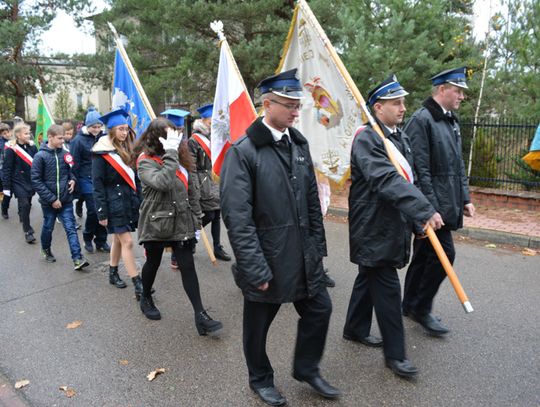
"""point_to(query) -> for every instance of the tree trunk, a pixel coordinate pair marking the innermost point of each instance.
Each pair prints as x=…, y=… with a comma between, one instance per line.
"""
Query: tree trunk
x=20, y=108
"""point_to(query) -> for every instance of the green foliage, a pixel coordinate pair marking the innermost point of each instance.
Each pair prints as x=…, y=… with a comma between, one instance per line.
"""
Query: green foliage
x=484, y=161
x=524, y=174
x=63, y=105
x=7, y=107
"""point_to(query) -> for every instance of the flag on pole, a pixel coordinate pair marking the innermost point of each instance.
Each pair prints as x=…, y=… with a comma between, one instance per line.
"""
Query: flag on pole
x=533, y=157
x=44, y=120
x=233, y=110
x=330, y=113
x=126, y=94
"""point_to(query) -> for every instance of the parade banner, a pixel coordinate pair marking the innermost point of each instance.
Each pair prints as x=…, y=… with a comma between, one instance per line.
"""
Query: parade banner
x=44, y=119
x=233, y=109
x=330, y=113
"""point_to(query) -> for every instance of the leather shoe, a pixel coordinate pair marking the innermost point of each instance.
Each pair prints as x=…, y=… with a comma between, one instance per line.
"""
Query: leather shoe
x=104, y=248
x=270, y=395
x=89, y=246
x=403, y=368
x=321, y=386
x=370, y=340
x=328, y=281
x=221, y=254
x=431, y=324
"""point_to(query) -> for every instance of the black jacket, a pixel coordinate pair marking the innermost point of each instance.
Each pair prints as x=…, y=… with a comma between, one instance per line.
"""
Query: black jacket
x=383, y=206
x=209, y=190
x=51, y=173
x=16, y=172
x=81, y=150
x=273, y=216
x=115, y=200
x=436, y=142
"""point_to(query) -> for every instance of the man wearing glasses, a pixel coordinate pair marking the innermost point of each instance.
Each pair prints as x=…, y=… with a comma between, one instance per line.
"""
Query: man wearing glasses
x=271, y=208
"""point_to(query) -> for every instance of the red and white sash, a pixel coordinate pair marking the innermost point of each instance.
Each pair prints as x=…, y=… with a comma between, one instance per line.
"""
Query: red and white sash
x=27, y=158
x=204, y=143
x=181, y=173
x=125, y=171
x=402, y=161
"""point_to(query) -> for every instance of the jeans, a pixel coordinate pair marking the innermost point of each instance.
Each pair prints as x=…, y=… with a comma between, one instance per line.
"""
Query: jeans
x=65, y=215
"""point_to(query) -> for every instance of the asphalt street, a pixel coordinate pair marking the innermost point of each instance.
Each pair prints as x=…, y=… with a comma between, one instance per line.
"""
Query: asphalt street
x=490, y=357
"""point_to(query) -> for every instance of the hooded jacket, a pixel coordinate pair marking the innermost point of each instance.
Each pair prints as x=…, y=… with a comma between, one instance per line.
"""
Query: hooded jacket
x=81, y=150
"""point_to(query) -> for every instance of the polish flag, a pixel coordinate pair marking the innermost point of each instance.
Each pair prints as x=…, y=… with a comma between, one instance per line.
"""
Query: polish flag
x=233, y=110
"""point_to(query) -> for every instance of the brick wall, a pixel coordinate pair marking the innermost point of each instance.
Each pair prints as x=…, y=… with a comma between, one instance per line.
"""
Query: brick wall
x=505, y=199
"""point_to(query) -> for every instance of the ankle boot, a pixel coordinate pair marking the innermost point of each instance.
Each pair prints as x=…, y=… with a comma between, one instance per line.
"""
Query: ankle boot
x=205, y=324
x=137, y=284
x=114, y=278
x=148, y=308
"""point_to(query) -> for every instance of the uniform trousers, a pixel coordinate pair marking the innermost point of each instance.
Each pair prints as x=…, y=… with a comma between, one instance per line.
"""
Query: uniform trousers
x=92, y=229
x=214, y=217
x=314, y=315
x=25, y=204
x=426, y=273
x=377, y=287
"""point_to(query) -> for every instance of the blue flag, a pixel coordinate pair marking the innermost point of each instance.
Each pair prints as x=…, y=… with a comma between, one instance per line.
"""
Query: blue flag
x=126, y=96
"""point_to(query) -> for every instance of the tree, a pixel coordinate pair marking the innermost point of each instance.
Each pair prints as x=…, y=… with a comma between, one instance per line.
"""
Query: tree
x=63, y=105
x=21, y=25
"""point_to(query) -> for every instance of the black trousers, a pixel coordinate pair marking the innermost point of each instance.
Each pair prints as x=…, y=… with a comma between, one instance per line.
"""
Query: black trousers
x=214, y=217
x=310, y=339
x=426, y=273
x=24, y=204
x=377, y=287
x=92, y=229
x=5, y=204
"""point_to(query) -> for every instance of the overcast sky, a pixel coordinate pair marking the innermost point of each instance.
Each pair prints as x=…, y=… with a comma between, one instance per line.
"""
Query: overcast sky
x=65, y=37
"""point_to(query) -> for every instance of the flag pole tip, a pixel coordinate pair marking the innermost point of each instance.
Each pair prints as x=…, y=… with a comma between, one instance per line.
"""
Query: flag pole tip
x=217, y=27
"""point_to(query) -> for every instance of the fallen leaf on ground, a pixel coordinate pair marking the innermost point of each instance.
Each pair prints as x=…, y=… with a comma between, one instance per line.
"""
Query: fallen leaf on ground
x=123, y=362
x=68, y=391
x=529, y=252
x=74, y=324
x=491, y=246
x=22, y=383
x=152, y=375
x=21, y=312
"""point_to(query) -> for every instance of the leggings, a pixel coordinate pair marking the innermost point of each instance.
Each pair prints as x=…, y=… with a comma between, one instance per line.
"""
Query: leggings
x=184, y=256
x=214, y=217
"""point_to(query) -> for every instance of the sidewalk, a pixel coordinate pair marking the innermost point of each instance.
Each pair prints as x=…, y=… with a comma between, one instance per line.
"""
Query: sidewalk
x=497, y=225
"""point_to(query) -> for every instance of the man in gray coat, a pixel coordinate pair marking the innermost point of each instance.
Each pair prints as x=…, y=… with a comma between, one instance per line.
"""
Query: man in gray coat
x=271, y=209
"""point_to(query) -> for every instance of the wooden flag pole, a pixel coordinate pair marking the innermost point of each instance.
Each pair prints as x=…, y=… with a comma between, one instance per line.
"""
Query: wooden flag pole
x=150, y=111
x=443, y=258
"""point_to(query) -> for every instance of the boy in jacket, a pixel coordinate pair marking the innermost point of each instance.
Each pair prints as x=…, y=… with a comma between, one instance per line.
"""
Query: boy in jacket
x=54, y=182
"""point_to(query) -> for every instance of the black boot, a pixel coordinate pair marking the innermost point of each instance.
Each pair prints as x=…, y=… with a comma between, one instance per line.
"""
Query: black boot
x=137, y=284
x=205, y=324
x=148, y=308
x=221, y=254
x=114, y=278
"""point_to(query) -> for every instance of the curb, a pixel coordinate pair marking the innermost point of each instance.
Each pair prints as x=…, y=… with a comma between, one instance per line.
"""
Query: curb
x=494, y=236
x=9, y=397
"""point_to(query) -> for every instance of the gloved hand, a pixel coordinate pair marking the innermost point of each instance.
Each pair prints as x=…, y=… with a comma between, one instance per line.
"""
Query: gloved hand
x=198, y=234
x=172, y=141
x=6, y=192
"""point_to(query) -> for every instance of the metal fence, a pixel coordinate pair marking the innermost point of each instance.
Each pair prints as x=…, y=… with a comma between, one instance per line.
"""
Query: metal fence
x=497, y=151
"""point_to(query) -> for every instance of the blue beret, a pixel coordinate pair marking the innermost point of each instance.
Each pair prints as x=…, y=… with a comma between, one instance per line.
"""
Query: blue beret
x=390, y=88
x=115, y=118
x=176, y=116
x=457, y=77
x=206, y=110
x=285, y=84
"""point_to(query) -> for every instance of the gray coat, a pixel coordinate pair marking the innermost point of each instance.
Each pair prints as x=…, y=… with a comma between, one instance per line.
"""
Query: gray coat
x=208, y=189
x=168, y=212
x=436, y=143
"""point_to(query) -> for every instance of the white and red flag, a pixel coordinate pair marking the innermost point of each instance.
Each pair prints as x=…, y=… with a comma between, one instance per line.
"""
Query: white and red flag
x=233, y=110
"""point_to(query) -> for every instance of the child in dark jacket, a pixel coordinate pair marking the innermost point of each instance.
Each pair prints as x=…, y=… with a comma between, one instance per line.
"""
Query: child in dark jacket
x=5, y=136
x=54, y=182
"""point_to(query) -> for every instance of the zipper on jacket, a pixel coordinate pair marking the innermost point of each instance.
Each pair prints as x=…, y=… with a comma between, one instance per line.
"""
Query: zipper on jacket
x=57, y=176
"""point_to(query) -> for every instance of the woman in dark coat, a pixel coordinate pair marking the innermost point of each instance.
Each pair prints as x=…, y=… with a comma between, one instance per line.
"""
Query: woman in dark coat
x=117, y=194
x=170, y=215
x=18, y=159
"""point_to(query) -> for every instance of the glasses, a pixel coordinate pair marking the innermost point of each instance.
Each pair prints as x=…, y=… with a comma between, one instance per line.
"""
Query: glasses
x=288, y=106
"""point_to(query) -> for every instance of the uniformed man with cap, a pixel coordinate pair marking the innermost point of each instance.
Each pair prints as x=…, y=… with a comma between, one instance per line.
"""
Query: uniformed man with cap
x=271, y=209
x=436, y=143
x=384, y=209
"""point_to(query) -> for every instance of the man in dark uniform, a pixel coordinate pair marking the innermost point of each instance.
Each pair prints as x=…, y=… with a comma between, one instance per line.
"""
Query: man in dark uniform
x=436, y=143
x=271, y=209
x=384, y=207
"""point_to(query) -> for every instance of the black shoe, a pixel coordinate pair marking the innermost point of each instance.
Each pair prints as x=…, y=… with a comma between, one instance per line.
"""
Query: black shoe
x=115, y=279
x=270, y=395
x=5, y=215
x=403, y=368
x=321, y=386
x=29, y=237
x=137, y=284
x=370, y=340
x=89, y=247
x=328, y=281
x=221, y=254
x=148, y=308
x=104, y=248
x=205, y=324
x=431, y=324
x=78, y=208
x=79, y=264
x=48, y=256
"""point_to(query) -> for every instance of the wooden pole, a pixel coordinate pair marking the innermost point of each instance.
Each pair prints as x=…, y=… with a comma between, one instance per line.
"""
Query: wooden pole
x=362, y=104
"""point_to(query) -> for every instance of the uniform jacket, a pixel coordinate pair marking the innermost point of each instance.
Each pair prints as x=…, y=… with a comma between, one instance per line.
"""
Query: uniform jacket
x=16, y=172
x=81, y=150
x=168, y=212
x=383, y=206
x=115, y=200
x=436, y=142
x=209, y=190
x=273, y=216
x=51, y=173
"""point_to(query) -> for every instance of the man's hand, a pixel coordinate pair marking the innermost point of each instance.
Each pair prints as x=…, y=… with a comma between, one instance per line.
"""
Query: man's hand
x=264, y=286
x=103, y=222
x=71, y=186
x=435, y=221
x=469, y=210
x=57, y=204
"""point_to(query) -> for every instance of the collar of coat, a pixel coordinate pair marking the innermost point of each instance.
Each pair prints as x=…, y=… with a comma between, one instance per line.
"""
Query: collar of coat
x=262, y=136
x=104, y=145
x=437, y=112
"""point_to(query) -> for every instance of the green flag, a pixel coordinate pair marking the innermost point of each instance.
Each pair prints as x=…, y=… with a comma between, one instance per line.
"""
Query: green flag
x=43, y=122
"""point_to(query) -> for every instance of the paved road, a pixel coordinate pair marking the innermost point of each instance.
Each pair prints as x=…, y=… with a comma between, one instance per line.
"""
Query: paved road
x=489, y=359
